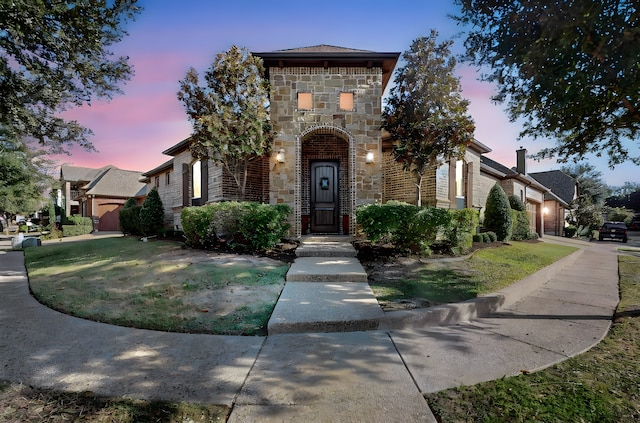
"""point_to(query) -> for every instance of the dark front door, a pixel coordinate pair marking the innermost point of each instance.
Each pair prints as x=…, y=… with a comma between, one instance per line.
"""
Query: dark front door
x=325, y=209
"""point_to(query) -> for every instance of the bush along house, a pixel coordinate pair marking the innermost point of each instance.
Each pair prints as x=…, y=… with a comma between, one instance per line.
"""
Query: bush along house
x=329, y=155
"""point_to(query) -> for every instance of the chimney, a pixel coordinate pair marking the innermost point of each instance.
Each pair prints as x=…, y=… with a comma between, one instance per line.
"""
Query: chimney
x=521, y=161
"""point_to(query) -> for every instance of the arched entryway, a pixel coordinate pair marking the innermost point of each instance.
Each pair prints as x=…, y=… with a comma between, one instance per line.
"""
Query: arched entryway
x=326, y=191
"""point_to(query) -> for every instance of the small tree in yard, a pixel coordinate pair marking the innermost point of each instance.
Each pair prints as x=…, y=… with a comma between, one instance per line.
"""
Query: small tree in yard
x=425, y=113
x=230, y=115
x=497, y=215
x=152, y=213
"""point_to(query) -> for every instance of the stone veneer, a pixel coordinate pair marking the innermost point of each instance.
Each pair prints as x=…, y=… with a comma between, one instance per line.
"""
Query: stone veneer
x=349, y=134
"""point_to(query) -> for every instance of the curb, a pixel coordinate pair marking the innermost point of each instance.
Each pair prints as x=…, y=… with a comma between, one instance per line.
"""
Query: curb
x=452, y=314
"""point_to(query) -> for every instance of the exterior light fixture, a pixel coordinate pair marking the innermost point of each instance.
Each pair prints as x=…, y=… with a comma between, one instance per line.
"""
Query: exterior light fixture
x=545, y=210
x=368, y=158
x=280, y=156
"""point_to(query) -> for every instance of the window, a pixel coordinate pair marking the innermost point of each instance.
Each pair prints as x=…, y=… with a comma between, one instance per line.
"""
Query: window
x=460, y=188
x=346, y=101
x=305, y=101
x=156, y=182
x=167, y=178
x=196, y=179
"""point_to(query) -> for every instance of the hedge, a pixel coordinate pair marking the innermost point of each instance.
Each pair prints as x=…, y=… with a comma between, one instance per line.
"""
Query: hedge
x=416, y=229
x=75, y=230
x=247, y=226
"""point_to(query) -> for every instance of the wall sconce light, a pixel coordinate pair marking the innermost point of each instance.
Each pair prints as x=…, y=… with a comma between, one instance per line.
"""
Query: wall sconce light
x=545, y=210
x=368, y=158
x=280, y=156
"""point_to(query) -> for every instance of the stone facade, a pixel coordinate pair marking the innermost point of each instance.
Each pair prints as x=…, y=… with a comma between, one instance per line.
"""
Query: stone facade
x=326, y=105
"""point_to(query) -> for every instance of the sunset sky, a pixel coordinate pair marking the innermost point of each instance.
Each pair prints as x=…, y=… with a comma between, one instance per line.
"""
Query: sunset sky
x=171, y=36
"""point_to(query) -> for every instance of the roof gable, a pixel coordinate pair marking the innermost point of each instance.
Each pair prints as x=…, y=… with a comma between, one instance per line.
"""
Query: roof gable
x=561, y=184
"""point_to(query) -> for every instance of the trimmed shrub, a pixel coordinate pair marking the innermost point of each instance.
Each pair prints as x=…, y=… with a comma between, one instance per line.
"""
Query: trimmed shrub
x=77, y=225
x=461, y=229
x=196, y=223
x=380, y=223
x=129, y=218
x=520, y=230
x=497, y=215
x=485, y=237
x=516, y=203
x=263, y=225
x=75, y=230
x=151, y=214
x=478, y=238
x=416, y=229
x=243, y=226
x=492, y=236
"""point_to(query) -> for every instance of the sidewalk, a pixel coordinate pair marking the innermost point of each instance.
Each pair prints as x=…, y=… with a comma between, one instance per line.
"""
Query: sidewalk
x=377, y=375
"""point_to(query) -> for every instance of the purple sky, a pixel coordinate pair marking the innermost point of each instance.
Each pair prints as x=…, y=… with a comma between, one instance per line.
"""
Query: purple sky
x=170, y=36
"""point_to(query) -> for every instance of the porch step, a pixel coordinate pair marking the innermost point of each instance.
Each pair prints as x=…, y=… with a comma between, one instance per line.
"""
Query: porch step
x=326, y=269
x=325, y=307
x=326, y=246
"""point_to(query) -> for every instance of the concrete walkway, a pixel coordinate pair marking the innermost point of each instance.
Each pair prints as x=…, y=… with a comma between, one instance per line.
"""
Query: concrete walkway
x=378, y=375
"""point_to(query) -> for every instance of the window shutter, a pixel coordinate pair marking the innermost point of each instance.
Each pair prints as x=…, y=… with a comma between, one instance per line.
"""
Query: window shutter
x=186, y=182
x=204, y=196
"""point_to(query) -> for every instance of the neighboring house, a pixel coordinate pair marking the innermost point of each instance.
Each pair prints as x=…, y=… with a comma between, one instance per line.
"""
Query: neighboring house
x=515, y=182
x=99, y=193
x=330, y=155
x=557, y=202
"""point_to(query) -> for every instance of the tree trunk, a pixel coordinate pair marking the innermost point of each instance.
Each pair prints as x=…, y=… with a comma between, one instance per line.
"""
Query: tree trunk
x=418, y=190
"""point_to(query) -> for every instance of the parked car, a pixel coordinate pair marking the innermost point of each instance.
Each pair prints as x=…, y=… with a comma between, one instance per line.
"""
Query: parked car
x=613, y=230
x=634, y=225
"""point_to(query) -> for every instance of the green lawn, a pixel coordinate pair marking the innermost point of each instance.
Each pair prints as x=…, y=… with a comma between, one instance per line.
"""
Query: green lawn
x=488, y=270
x=601, y=385
x=154, y=285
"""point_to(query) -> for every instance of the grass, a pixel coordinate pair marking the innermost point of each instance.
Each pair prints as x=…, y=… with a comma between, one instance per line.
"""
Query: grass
x=20, y=403
x=488, y=270
x=601, y=385
x=129, y=283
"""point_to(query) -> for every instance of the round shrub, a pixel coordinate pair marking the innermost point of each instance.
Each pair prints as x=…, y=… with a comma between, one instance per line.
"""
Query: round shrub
x=497, y=215
x=492, y=236
x=477, y=238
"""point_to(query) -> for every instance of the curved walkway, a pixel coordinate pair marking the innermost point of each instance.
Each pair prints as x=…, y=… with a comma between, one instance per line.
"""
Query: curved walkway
x=377, y=375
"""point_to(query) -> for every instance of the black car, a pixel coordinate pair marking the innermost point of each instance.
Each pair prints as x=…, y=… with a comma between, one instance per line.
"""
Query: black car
x=613, y=230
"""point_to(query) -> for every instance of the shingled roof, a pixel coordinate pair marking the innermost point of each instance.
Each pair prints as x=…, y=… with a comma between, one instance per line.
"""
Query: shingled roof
x=326, y=56
x=107, y=181
x=561, y=184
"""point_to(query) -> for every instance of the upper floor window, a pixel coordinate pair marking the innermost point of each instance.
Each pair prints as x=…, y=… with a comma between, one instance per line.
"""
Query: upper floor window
x=156, y=182
x=167, y=178
x=305, y=101
x=346, y=102
x=196, y=179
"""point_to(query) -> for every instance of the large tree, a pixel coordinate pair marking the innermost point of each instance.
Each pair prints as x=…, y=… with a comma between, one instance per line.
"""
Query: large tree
x=230, y=113
x=588, y=208
x=425, y=112
x=23, y=179
x=568, y=68
x=53, y=55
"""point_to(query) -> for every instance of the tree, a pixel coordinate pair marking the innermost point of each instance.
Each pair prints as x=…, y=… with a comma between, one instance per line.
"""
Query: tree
x=425, y=112
x=230, y=115
x=152, y=213
x=23, y=179
x=497, y=213
x=588, y=208
x=568, y=68
x=54, y=55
